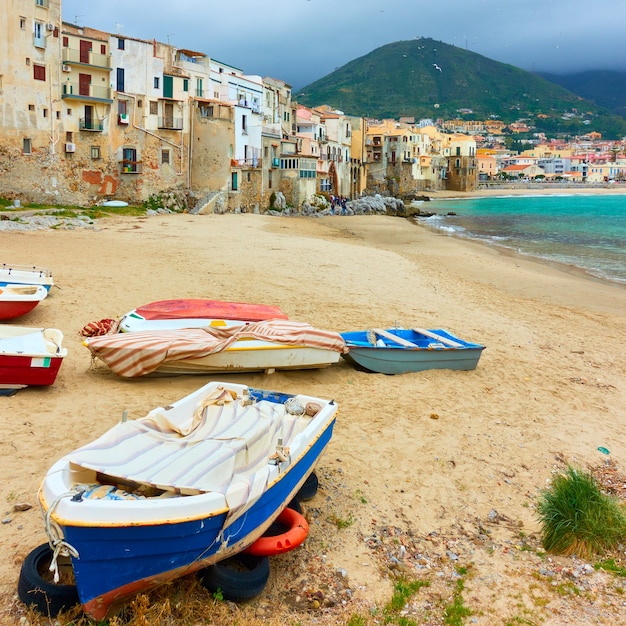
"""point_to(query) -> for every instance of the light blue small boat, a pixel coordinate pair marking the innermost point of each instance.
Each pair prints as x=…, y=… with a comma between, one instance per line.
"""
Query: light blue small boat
x=400, y=350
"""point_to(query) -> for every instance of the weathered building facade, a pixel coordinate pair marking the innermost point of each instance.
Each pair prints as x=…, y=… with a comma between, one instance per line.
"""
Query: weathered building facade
x=88, y=115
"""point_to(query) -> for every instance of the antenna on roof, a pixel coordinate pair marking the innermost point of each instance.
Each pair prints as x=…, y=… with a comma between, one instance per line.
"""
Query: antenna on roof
x=76, y=19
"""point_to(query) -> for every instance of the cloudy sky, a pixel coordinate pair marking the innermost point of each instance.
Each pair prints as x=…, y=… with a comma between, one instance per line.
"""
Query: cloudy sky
x=299, y=41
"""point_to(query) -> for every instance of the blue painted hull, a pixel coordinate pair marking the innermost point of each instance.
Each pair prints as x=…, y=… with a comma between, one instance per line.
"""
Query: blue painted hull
x=115, y=563
x=398, y=359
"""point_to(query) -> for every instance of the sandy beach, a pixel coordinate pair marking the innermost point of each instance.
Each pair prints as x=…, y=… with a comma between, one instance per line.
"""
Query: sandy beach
x=434, y=475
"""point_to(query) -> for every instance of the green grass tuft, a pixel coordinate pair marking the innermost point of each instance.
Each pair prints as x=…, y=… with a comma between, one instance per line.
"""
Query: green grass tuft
x=577, y=518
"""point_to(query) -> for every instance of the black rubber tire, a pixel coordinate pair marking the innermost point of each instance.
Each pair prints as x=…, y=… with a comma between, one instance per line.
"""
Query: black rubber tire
x=309, y=488
x=239, y=578
x=35, y=590
x=295, y=505
x=276, y=527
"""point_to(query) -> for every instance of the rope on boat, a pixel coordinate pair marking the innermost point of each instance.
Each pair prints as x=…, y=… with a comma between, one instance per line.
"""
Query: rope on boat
x=57, y=542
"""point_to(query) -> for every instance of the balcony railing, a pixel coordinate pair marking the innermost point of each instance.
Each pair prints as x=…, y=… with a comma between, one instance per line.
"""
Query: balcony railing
x=71, y=55
x=251, y=162
x=171, y=123
x=73, y=90
x=131, y=167
x=93, y=125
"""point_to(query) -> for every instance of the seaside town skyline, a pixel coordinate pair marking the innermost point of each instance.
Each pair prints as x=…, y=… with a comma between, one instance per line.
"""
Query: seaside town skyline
x=112, y=116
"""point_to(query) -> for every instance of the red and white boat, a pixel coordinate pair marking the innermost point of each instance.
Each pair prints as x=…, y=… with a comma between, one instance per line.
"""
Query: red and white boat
x=17, y=300
x=30, y=356
x=196, y=313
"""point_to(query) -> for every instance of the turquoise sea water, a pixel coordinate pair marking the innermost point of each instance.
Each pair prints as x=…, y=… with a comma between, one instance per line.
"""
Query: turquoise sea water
x=588, y=232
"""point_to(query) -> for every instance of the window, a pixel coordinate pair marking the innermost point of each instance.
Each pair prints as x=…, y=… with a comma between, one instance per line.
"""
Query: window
x=185, y=84
x=165, y=157
x=41, y=3
x=129, y=161
x=39, y=72
x=154, y=107
x=27, y=146
x=103, y=48
x=244, y=128
x=156, y=82
x=119, y=84
x=69, y=137
x=66, y=42
x=122, y=107
x=199, y=92
x=95, y=152
x=168, y=86
x=206, y=110
x=23, y=23
x=120, y=44
x=31, y=107
x=45, y=112
x=38, y=31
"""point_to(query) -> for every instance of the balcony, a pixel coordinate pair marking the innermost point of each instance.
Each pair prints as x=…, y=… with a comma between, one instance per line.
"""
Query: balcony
x=86, y=92
x=249, y=163
x=131, y=167
x=171, y=123
x=95, y=126
x=71, y=55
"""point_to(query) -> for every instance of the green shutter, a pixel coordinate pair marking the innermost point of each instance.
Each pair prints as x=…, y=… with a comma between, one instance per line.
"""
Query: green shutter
x=168, y=86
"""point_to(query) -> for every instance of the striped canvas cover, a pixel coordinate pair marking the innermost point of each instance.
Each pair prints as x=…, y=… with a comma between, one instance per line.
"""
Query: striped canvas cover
x=137, y=354
x=223, y=447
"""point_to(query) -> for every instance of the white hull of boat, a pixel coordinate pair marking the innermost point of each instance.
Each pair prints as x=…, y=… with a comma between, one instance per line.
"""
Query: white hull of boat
x=254, y=356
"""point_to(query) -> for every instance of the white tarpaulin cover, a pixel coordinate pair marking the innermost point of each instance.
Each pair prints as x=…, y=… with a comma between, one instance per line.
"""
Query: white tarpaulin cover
x=223, y=446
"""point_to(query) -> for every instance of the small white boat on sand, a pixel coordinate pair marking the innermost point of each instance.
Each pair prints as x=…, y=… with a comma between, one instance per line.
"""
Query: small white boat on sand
x=24, y=275
x=264, y=346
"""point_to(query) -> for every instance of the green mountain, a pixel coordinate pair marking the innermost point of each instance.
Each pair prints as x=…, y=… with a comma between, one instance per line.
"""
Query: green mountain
x=424, y=78
x=604, y=87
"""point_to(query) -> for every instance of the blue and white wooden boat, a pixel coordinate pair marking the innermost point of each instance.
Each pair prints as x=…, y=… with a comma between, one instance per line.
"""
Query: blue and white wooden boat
x=184, y=487
x=400, y=350
x=24, y=275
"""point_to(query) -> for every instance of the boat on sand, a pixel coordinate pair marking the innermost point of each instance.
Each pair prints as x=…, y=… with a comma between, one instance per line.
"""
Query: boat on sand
x=401, y=350
x=195, y=313
x=17, y=300
x=265, y=346
x=187, y=486
x=25, y=275
x=30, y=356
